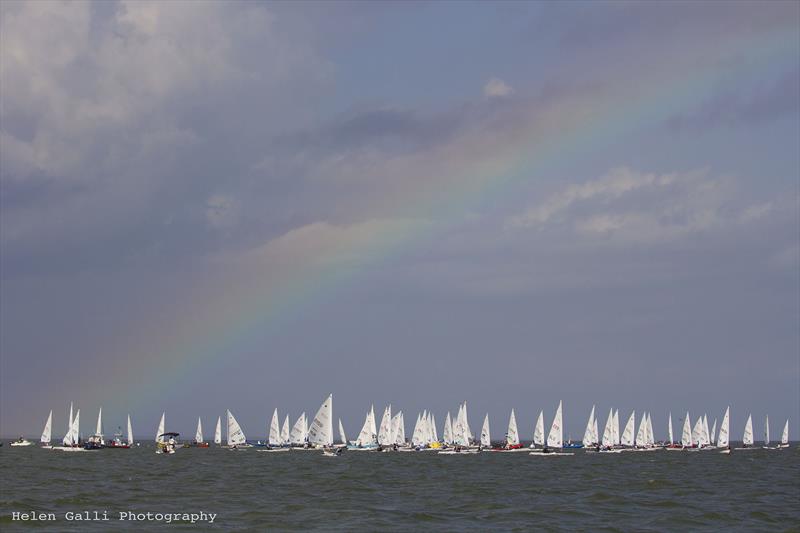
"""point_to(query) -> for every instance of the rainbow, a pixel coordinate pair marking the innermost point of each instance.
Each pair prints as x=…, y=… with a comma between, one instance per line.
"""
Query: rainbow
x=244, y=314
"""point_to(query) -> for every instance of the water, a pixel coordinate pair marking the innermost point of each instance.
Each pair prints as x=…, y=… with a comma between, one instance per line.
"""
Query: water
x=359, y=491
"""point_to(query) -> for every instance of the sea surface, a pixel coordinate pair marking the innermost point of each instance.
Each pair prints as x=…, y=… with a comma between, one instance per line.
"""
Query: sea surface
x=361, y=491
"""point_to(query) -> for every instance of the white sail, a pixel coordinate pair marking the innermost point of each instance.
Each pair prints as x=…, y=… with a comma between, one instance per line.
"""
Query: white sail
x=616, y=427
x=588, y=437
x=512, y=436
x=67, y=440
x=395, y=427
x=305, y=428
x=296, y=436
x=785, y=435
x=400, y=430
x=285, y=431
x=99, y=428
x=235, y=433
x=651, y=438
x=416, y=435
x=434, y=433
x=467, y=431
x=320, y=433
x=486, y=438
x=218, y=432
x=461, y=427
x=447, y=434
x=274, y=437
x=385, y=431
x=341, y=432
x=48, y=429
x=555, y=439
x=627, y=438
x=766, y=431
x=670, y=428
x=538, y=430
x=368, y=435
x=198, y=435
x=130, y=432
x=608, y=431
x=595, y=433
x=697, y=432
x=747, y=438
x=160, y=429
x=724, y=430
x=76, y=427
x=712, y=438
x=641, y=435
x=706, y=432
x=686, y=435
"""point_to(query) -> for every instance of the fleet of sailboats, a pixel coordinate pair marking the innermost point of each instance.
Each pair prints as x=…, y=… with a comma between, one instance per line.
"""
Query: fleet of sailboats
x=457, y=437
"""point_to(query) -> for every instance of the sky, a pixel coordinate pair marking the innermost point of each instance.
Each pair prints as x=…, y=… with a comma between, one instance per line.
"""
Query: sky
x=248, y=206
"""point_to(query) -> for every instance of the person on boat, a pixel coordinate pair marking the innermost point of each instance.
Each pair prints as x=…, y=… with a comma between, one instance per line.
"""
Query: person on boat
x=545, y=449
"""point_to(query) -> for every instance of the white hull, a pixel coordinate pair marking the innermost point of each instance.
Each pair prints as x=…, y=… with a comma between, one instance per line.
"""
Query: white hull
x=24, y=443
x=550, y=454
x=276, y=450
x=71, y=449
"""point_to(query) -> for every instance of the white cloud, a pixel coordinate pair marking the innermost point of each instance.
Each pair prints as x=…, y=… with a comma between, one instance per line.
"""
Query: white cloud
x=627, y=206
x=496, y=87
x=616, y=183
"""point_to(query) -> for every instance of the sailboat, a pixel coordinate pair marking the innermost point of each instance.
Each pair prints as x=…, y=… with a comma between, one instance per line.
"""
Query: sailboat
x=198, y=436
x=724, y=432
x=486, y=438
x=71, y=441
x=117, y=442
x=368, y=436
x=274, y=437
x=285, y=431
x=278, y=439
x=399, y=429
x=766, y=436
x=47, y=431
x=589, y=436
x=608, y=441
x=447, y=433
x=297, y=436
x=236, y=438
x=671, y=445
x=747, y=438
x=686, y=434
x=320, y=433
x=555, y=438
x=385, y=437
x=96, y=441
x=218, y=432
x=785, y=436
x=628, y=438
x=342, y=436
x=512, y=443
x=538, y=432
x=166, y=442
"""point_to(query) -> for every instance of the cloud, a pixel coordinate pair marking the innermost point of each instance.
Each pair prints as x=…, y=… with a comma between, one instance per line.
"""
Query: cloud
x=496, y=87
x=626, y=206
x=615, y=184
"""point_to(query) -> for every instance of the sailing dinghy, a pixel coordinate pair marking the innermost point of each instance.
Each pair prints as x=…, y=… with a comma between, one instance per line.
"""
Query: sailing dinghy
x=785, y=436
x=766, y=436
x=747, y=437
x=555, y=438
x=724, y=432
x=236, y=437
x=44, y=441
